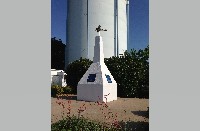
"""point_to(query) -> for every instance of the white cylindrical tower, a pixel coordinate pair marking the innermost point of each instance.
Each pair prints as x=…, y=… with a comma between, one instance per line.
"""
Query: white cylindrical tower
x=84, y=16
x=122, y=26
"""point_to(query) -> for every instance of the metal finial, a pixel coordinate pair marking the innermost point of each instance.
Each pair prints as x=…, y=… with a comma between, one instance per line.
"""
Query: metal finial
x=99, y=29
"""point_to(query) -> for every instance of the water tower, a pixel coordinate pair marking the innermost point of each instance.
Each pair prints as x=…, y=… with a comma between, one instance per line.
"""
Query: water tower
x=82, y=18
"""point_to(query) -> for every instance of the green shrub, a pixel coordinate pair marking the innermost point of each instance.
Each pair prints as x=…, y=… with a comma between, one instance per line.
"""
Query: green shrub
x=131, y=73
x=67, y=90
x=79, y=124
x=56, y=90
x=75, y=72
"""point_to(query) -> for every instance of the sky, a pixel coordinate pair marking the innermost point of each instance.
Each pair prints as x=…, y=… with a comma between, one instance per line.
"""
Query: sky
x=138, y=22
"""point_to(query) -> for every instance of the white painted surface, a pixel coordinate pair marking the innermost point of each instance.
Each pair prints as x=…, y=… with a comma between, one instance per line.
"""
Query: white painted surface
x=82, y=19
x=97, y=90
x=98, y=50
x=122, y=23
x=101, y=12
x=57, y=77
x=76, y=30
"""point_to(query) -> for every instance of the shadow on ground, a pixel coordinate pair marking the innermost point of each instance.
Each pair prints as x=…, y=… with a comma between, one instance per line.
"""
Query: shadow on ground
x=141, y=113
x=135, y=126
x=70, y=97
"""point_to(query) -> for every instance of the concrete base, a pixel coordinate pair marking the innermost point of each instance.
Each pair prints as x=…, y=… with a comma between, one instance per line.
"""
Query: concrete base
x=96, y=92
x=100, y=88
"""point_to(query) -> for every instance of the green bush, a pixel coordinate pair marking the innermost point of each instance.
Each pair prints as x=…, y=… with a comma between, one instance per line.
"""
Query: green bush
x=75, y=72
x=79, y=124
x=131, y=73
x=56, y=90
x=67, y=90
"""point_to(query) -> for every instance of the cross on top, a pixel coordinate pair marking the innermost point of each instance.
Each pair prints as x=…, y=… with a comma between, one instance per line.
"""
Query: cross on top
x=99, y=29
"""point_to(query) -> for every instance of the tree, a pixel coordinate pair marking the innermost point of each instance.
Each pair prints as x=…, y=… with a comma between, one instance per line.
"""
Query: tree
x=75, y=72
x=57, y=54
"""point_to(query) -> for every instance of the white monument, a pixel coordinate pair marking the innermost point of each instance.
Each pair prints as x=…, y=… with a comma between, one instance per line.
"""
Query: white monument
x=97, y=84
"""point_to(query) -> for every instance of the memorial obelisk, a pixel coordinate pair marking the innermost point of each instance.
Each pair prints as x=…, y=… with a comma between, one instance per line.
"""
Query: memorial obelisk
x=97, y=84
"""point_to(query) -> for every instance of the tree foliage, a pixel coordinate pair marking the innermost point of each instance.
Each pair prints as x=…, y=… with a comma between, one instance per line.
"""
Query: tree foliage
x=131, y=73
x=75, y=72
x=57, y=54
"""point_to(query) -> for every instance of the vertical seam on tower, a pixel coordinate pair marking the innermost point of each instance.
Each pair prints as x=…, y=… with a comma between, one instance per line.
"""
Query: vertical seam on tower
x=117, y=29
x=87, y=33
x=127, y=16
